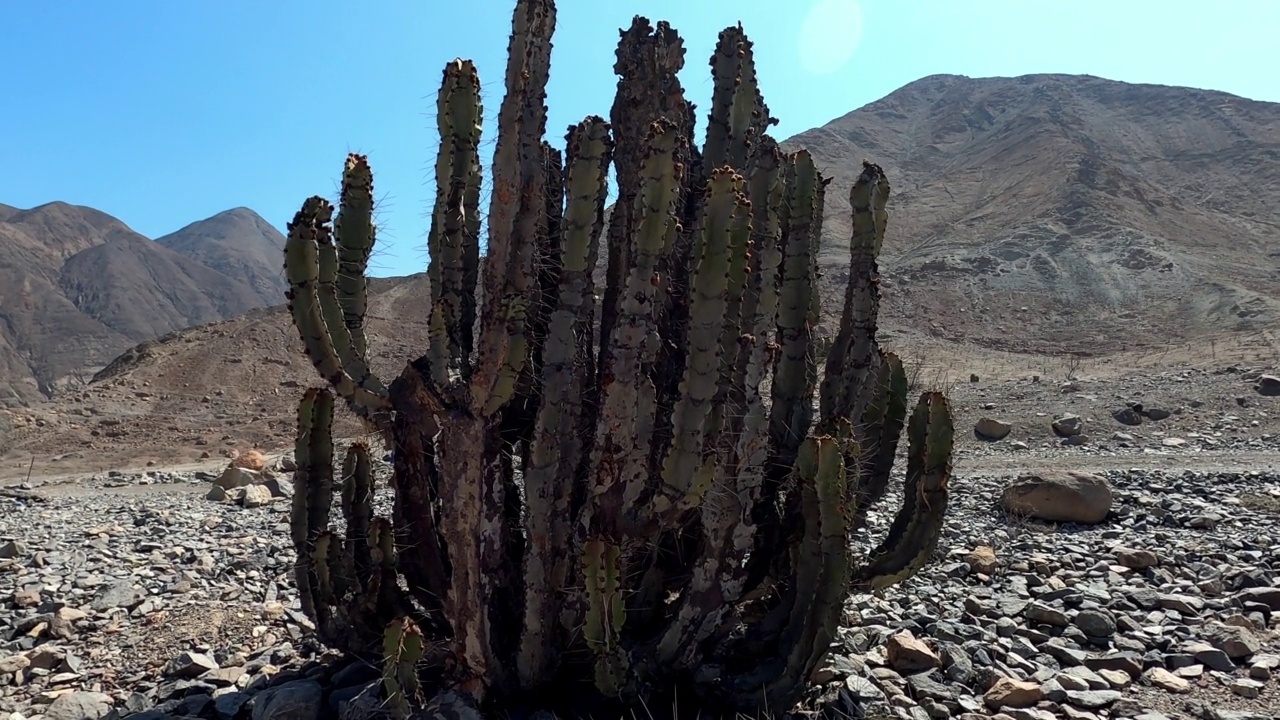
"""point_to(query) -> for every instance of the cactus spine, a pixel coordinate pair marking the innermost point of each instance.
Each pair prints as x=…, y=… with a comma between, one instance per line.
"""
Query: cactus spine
x=632, y=490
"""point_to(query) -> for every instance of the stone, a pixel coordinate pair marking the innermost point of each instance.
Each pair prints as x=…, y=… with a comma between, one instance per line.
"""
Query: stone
x=1068, y=425
x=256, y=496
x=1095, y=623
x=1059, y=496
x=983, y=559
x=1268, y=385
x=252, y=460
x=1237, y=642
x=992, y=429
x=1165, y=680
x=1127, y=416
x=297, y=700
x=1010, y=693
x=79, y=705
x=907, y=654
x=1135, y=559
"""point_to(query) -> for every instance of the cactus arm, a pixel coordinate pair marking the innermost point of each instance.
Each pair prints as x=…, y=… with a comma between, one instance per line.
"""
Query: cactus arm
x=357, y=508
x=355, y=231
x=606, y=614
x=738, y=115
x=719, y=578
x=402, y=648
x=883, y=416
x=300, y=528
x=517, y=167
x=558, y=446
x=302, y=266
x=854, y=351
x=451, y=242
x=814, y=599
x=724, y=224
x=336, y=319
x=619, y=453
x=309, y=515
x=795, y=373
x=916, y=528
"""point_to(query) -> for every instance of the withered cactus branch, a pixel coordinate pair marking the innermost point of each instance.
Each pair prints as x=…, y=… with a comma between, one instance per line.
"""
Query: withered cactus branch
x=627, y=487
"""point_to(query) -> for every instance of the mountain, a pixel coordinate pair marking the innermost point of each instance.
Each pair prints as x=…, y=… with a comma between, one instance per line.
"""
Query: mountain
x=1065, y=214
x=1043, y=214
x=237, y=243
x=78, y=287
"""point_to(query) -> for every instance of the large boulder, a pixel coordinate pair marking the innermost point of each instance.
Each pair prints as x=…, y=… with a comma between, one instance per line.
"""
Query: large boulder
x=989, y=428
x=1059, y=496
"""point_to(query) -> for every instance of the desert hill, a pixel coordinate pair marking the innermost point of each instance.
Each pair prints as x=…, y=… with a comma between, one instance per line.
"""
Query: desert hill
x=78, y=287
x=1031, y=218
x=1058, y=213
x=1040, y=214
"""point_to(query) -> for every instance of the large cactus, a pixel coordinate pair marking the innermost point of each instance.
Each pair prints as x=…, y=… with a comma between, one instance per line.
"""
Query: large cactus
x=630, y=491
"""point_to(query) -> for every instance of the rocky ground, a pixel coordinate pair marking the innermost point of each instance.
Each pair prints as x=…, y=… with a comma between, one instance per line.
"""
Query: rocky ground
x=132, y=593
x=138, y=596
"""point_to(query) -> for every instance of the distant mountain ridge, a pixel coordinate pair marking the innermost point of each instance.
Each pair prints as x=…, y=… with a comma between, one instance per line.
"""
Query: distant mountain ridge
x=77, y=287
x=1063, y=213
x=1045, y=214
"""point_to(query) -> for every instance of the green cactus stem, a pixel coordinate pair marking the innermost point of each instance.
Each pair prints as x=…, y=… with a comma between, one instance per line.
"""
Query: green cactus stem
x=403, y=649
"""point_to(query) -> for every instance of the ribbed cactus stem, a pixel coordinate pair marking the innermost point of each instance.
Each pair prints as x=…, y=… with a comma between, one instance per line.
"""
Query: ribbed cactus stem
x=795, y=373
x=737, y=112
x=879, y=426
x=336, y=319
x=357, y=507
x=356, y=236
x=606, y=614
x=517, y=164
x=620, y=450
x=403, y=647
x=452, y=241
x=725, y=231
x=558, y=443
x=309, y=228
x=916, y=528
x=822, y=571
x=854, y=351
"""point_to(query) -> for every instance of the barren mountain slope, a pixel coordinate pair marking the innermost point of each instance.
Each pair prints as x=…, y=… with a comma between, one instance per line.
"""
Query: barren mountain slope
x=1005, y=214
x=77, y=287
x=1055, y=213
x=239, y=244
x=227, y=384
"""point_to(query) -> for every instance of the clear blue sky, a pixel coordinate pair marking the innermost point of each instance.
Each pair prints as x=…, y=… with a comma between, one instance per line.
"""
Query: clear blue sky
x=162, y=112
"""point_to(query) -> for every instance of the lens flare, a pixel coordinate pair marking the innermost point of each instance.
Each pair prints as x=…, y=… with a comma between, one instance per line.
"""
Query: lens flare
x=829, y=35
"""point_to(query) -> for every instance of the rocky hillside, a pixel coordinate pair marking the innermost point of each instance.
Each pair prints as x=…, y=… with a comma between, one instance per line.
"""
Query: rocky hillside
x=1044, y=214
x=78, y=287
x=1058, y=213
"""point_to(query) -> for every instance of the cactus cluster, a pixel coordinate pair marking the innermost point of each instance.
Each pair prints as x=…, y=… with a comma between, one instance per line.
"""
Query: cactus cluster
x=630, y=488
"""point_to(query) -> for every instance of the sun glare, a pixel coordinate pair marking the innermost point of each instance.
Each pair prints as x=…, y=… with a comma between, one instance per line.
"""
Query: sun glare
x=829, y=35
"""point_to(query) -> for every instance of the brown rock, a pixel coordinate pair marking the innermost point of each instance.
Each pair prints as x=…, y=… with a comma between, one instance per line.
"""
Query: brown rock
x=1136, y=559
x=1007, y=692
x=1059, y=496
x=907, y=654
x=252, y=460
x=1165, y=680
x=983, y=559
